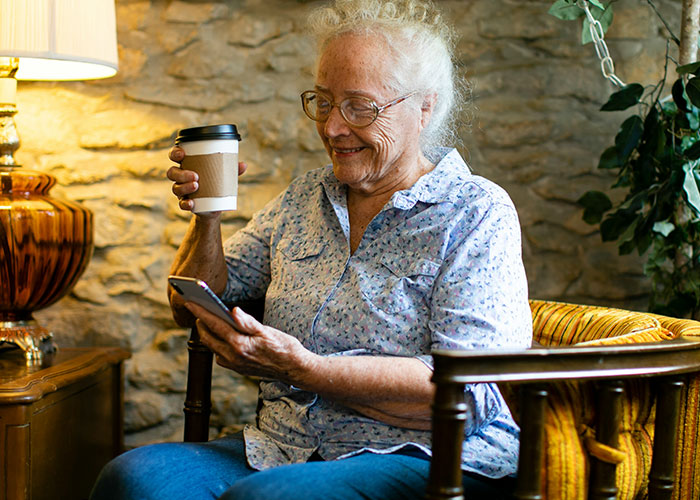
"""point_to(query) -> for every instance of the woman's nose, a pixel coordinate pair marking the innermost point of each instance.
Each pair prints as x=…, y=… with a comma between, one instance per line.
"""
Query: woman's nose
x=335, y=124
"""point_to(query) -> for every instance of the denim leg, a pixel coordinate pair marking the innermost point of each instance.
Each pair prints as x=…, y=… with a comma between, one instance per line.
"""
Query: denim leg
x=174, y=471
x=367, y=476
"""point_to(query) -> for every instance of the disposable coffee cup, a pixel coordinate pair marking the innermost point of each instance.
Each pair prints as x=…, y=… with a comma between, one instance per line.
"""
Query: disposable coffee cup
x=212, y=152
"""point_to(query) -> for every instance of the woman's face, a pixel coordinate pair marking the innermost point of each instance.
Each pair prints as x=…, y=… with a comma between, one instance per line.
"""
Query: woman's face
x=379, y=157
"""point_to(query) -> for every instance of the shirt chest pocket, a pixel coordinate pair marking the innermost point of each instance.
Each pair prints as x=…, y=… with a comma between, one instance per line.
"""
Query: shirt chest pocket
x=296, y=263
x=400, y=282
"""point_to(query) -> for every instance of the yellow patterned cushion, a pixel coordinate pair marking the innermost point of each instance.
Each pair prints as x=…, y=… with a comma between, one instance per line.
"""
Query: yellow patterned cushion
x=569, y=434
x=688, y=455
x=557, y=323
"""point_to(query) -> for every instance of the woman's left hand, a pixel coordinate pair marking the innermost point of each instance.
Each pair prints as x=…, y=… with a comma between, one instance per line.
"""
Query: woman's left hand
x=251, y=348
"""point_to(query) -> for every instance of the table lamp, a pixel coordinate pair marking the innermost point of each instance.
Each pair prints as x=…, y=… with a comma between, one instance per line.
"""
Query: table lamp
x=45, y=244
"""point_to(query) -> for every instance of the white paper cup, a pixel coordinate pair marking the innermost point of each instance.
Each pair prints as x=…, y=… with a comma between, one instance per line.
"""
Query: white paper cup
x=212, y=152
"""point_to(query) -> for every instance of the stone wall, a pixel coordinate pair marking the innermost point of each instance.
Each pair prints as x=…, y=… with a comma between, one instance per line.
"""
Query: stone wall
x=535, y=129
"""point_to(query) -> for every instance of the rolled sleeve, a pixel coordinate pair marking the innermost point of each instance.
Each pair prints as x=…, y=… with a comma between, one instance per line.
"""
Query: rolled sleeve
x=247, y=255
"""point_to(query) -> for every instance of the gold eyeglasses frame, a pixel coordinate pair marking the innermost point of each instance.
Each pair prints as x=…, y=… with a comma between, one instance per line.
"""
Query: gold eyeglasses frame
x=309, y=95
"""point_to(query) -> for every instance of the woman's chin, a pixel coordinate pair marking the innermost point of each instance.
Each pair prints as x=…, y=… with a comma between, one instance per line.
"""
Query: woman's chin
x=347, y=173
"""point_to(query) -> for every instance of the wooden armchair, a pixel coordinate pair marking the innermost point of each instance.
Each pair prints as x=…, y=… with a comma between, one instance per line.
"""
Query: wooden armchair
x=599, y=420
x=590, y=407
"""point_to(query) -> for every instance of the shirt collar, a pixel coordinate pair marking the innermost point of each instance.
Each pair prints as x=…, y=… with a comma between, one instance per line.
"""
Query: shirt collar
x=436, y=186
x=439, y=184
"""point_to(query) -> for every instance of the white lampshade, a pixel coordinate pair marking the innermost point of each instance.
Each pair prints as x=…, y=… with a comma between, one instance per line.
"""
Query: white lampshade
x=60, y=39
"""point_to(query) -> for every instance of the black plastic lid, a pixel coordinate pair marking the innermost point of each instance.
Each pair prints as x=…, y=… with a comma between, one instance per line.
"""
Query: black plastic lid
x=208, y=133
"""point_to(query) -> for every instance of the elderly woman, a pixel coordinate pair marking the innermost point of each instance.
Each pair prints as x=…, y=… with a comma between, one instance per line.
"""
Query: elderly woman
x=365, y=265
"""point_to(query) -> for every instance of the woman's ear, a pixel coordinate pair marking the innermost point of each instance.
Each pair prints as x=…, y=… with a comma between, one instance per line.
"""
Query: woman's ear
x=427, y=109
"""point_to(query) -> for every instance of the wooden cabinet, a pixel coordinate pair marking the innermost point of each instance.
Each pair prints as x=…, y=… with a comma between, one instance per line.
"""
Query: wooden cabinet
x=59, y=423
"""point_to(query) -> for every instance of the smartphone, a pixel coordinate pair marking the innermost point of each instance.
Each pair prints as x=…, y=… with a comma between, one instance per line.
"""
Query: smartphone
x=197, y=291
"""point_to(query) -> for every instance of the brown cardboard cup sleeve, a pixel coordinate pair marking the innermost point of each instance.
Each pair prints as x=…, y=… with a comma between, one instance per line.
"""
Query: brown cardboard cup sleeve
x=218, y=174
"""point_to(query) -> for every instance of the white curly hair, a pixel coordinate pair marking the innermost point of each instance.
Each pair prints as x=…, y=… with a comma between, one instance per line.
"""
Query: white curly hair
x=422, y=45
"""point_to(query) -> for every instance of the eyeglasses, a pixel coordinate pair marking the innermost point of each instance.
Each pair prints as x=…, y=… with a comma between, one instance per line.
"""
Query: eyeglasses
x=356, y=111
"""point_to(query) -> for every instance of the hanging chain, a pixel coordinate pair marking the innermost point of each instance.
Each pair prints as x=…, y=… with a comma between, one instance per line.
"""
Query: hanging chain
x=607, y=67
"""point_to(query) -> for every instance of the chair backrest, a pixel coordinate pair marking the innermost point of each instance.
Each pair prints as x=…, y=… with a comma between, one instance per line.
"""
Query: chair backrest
x=559, y=324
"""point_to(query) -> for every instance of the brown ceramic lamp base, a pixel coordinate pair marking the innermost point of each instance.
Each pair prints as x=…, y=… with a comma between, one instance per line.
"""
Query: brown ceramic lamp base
x=45, y=245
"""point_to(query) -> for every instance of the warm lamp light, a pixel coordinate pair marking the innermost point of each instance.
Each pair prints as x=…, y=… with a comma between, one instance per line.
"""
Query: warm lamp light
x=45, y=244
x=60, y=39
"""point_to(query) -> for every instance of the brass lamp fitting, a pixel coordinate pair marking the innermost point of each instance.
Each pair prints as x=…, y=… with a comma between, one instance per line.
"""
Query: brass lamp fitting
x=9, y=139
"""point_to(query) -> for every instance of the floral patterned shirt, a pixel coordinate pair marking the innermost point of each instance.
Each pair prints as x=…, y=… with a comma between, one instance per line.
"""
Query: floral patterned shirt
x=439, y=267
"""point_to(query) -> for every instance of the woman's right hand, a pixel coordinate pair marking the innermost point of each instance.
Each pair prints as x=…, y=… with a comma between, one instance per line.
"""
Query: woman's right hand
x=186, y=182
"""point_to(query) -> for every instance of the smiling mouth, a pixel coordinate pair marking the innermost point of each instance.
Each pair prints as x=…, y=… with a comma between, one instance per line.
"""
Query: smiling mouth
x=343, y=151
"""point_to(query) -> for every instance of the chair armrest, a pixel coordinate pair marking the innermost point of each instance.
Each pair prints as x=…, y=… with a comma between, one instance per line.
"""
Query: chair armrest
x=534, y=367
x=681, y=355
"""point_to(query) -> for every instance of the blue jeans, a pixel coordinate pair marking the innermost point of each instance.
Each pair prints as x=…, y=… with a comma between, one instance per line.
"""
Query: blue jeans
x=218, y=469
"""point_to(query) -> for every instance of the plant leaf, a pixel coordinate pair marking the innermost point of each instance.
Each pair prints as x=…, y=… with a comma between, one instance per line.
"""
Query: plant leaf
x=628, y=137
x=596, y=3
x=692, y=89
x=609, y=158
x=626, y=247
x=690, y=186
x=622, y=99
x=693, y=152
x=653, y=139
x=643, y=240
x=628, y=234
x=664, y=228
x=595, y=204
x=677, y=92
x=604, y=16
x=693, y=120
x=643, y=170
x=636, y=202
x=565, y=11
x=616, y=224
x=623, y=179
x=626, y=240
x=688, y=68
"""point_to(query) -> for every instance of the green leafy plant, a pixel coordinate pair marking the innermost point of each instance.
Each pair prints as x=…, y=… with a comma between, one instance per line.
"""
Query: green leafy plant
x=656, y=160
